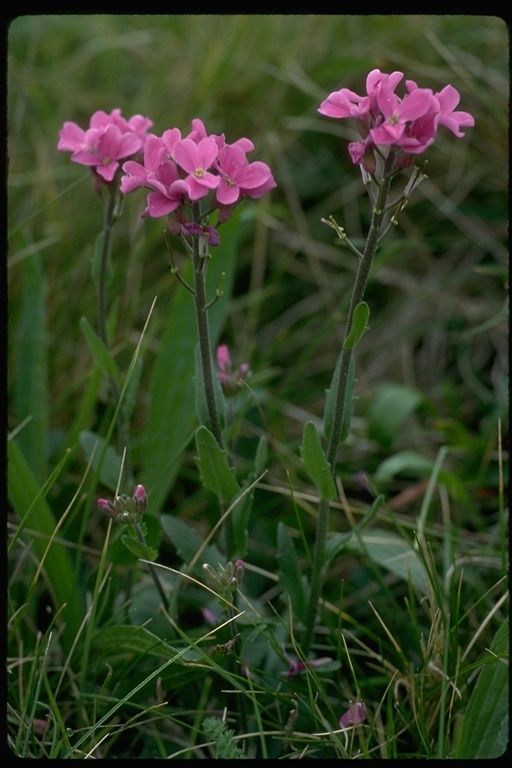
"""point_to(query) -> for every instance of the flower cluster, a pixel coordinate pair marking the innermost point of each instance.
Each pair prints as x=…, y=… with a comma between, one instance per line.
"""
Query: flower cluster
x=126, y=509
x=226, y=579
x=383, y=118
x=230, y=380
x=179, y=171
x=109, y=139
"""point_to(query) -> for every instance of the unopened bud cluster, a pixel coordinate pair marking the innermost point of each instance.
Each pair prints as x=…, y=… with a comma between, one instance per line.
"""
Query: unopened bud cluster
x=126, y=509
x=225, y=579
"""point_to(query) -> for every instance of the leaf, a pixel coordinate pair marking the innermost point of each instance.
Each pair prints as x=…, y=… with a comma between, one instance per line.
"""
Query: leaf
x=132, y=640
x=408, y=462
x=339, y=542
x=29, y=503
x=289, y=572
x=188, y=542
x=97, y=348
x=391, y=406
x=111, y=466
x=359, y=325
x=31, y=380
x=484, y=732
x=216, y=474
x=315, y=462
x=261, y=458
x=139, y=549
x=393, y=553
x=130, y=395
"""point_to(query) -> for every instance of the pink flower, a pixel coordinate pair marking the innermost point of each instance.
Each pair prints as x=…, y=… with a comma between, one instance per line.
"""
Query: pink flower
x=179, y=171
x=398, y=114
x=170, y=190
x=196, y=160
x=138, y=175
x=108, y=139
x=409, y=123
x=230, y=380
x=300, y=666
x=448, y=99
x=239, y=177
x=345, y=103
x=353, y=716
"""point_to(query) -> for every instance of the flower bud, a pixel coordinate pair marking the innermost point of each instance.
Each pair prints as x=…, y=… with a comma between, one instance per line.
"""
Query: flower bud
x=141, y=499
x=107, y=507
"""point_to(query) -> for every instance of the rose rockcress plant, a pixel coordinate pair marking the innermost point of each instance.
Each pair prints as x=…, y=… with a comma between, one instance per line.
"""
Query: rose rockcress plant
x=393, y=130
x=196, y=181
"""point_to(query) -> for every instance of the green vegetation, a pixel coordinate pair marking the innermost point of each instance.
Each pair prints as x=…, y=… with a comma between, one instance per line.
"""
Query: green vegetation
x=413, y=616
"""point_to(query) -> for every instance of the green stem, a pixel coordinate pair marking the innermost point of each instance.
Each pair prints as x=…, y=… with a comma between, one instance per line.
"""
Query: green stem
x=365, y=263
x=203, y=333
x=153, y=571
x=109, y=219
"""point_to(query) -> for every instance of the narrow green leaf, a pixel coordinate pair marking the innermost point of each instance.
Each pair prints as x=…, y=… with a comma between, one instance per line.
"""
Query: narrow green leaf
x=390, y=407
x=31, y=381
x=338, y=543
x=131, y=639
x=409, y=462
x=241, y=514
x=139, y=549
x=261, y=458
x=28, y=501
x=111, y=465
x=97, y=348
x=187, y=542
x=485, y=728
x=289, y=573
x=315, y=462
x=359, y=325
x=216, y=474
x=393, y=553
x=132, y=389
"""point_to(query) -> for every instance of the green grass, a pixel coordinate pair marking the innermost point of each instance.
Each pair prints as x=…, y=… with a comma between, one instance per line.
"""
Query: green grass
x=414, y=614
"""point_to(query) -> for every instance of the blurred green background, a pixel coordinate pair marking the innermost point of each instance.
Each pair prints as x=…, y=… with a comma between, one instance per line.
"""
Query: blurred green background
x=438, y=290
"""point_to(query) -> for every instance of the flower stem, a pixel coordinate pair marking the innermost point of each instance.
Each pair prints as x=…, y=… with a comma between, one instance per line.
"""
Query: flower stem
x=203, y=332
x=109, y=219
x=365, y=263
x=151, y=568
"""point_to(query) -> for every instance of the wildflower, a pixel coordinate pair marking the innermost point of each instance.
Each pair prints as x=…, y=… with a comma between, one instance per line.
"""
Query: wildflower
x=180, y=170
x=226, y=578
x=239, y=177
x=355, y=715
x=398, y=114
x=448, y=99
x=109, y=139
x=230, y=380
x=300, y=666
x=383, y=118
x=196, y=160
x=126, y=509
x=140, y=175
